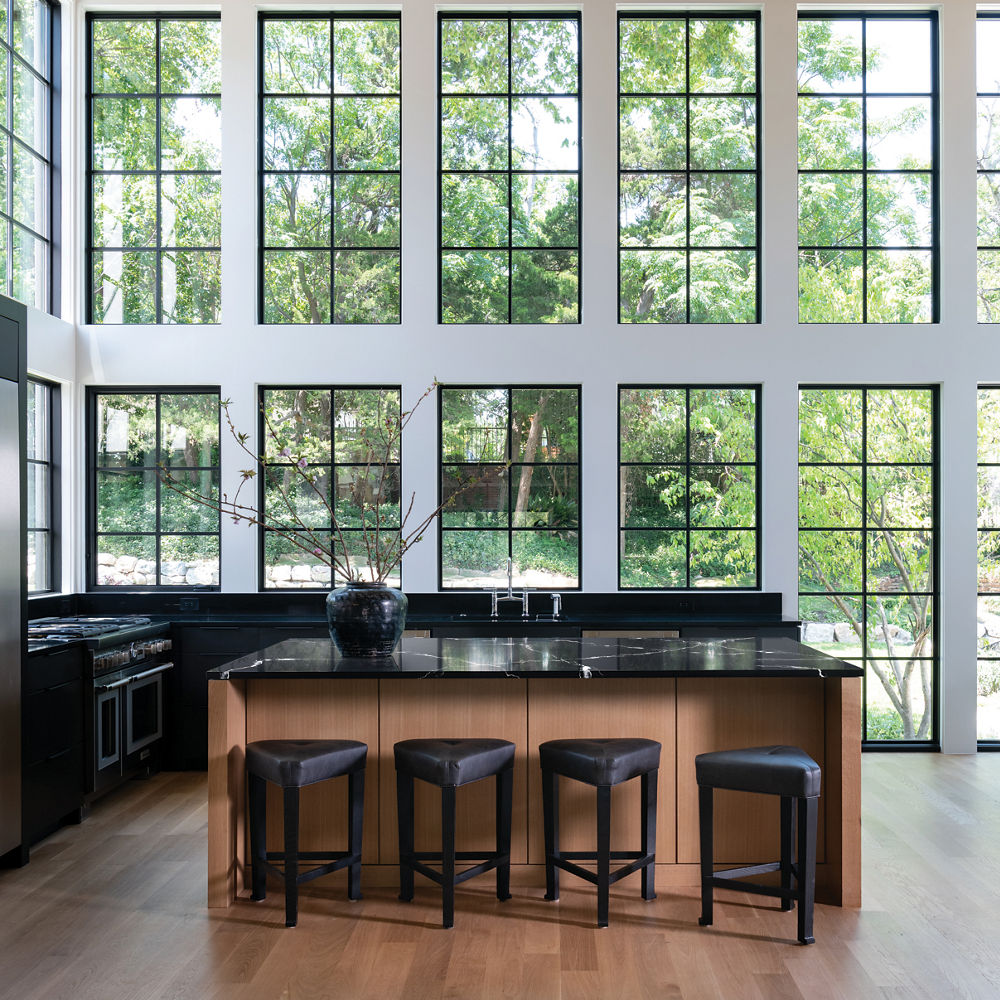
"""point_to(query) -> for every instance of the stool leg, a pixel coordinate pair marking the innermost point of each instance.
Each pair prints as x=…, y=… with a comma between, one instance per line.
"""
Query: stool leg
x=448, y=855
x=787, y=836
x=705, y=836
x=807, y=867
x=505, y=799
x=404, y=815
x=648, y=846
x=603, y=852
x=550, y=809
x=356, y=795
x=291, y=796
x=257, y=795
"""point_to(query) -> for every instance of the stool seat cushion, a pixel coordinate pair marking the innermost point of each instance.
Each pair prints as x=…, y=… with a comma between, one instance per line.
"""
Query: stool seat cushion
x=294, y=763
x=453, y=762
x=777, y=770
x=600, y=762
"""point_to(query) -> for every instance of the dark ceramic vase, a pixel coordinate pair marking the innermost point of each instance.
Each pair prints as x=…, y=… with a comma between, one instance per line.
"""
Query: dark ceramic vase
x=366, y=619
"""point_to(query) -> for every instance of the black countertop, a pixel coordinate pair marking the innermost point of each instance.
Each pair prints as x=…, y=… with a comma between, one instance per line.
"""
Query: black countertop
x=485, y=657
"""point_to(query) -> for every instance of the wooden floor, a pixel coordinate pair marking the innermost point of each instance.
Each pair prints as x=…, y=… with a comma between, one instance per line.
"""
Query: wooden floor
x=114, y=910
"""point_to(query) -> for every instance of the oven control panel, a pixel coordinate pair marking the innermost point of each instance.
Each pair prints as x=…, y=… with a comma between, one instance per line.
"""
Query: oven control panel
x=134, y=652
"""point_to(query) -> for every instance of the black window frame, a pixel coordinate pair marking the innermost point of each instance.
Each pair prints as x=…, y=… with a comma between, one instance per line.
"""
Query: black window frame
x=93, y=393
x=52, y=82
x=509, y=94
x=931, y=16
x=994, y=248
x=667, y=14
x=990, y=743
x=159, y=250
x=932, y=743
x=53, y=485
x=332, y=172
x=687, y=464
x=333, y=466
x=509, y=530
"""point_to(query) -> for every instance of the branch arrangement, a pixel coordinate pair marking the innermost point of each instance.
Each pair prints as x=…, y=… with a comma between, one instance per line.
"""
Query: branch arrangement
x=383, y=546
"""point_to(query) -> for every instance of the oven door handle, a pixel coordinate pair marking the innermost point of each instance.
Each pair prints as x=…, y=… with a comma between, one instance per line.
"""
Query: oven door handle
x=161, y=669
x=114, y=685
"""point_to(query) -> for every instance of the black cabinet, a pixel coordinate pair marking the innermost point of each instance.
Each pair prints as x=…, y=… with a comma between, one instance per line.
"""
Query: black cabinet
x=200, y=648
x=52, y=745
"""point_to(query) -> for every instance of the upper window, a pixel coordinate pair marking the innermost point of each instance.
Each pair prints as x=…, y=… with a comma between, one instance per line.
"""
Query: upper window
x=142, y=533
x=155, y=158
x=688, y=155
x=42, y=469
x=26, y=115
x=867, y=545
x=330, y=485
x=867, y=168
x=688, y=487
x=330, y=160
x=988, y=164
x=510, y=168
x=988, y=625
x=510, y=476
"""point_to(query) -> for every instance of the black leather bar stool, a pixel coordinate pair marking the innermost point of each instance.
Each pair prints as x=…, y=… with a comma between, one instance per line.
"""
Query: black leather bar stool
x=292, y=764
x=779, y=770
x=603, y=763
x=449, y=764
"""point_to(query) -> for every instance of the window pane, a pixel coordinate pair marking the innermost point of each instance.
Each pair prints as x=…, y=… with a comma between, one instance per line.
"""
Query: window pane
x=152, y=531
x=864, y=120
x=510, y=165
x=529, y=510
x=874, y=577
x=176, y=141
x=690, y=118
x=692, y=465
x=347, y=136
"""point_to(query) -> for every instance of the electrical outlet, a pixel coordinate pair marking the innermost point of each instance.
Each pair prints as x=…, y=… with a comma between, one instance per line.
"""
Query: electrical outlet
x=188, y=604
x=683, y=605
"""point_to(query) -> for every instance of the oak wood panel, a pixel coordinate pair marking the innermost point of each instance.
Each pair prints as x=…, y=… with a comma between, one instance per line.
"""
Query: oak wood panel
x=601, y=708
x=839, y=881
x=452, y=708
x=226, y=789
x=717, y=714
x=635, y=633
x=319, y=710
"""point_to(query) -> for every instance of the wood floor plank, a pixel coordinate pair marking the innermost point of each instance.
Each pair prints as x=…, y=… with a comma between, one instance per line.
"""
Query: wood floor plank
x=114, y=909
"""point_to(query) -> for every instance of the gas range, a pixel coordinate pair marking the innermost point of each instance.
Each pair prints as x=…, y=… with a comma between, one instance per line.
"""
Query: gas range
x=98, y=634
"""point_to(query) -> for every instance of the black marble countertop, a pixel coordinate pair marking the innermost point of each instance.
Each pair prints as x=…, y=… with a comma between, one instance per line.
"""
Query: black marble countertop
x=493, y=657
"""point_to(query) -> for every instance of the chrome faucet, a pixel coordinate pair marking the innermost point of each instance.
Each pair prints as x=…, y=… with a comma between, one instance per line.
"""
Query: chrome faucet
x=496, y=597
x=556, y=605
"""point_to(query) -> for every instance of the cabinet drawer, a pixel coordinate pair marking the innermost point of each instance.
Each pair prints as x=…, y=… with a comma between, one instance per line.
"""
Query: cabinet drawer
x=46, y=670
x=53, y=720
x=51, y=790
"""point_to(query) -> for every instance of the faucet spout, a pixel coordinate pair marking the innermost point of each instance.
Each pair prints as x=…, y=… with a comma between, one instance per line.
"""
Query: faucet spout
x=510, y=577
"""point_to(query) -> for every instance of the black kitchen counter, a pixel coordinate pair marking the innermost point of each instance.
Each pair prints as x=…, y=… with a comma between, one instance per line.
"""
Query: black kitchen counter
x=492, y=657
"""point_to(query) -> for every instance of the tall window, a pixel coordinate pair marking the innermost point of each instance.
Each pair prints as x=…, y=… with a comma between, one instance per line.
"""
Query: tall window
x=510, y=471
x=510, y=168
x=155, y=112
x=988, y=164
x=42, y=514
x=868, y=168
x=330, y=160
x=688, y=487
x=988, y=626
x=688, y=153
x=143, y=534
x=325, y=449
x=867, y=546
x=27, y=60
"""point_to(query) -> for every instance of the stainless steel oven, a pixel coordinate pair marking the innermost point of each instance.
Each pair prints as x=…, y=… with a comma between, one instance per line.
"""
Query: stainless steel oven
x=127, y=719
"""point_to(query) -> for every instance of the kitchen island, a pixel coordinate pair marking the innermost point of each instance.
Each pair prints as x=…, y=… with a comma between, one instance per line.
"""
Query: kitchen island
x=691, y=695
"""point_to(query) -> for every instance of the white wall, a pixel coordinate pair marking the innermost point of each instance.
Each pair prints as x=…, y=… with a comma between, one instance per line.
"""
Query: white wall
x=780, y=353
